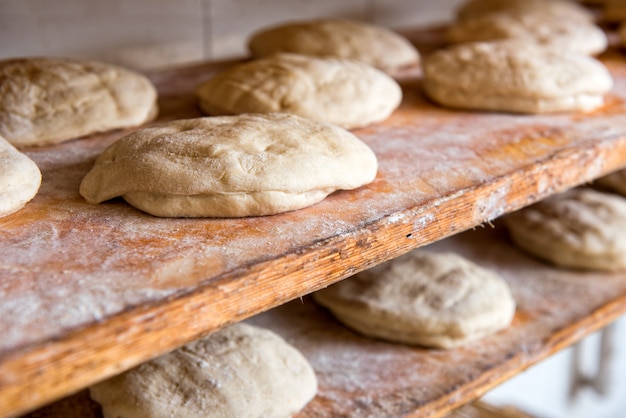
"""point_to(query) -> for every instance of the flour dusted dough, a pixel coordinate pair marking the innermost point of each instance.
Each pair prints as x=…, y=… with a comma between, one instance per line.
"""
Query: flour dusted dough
x=557, y=9
x=50, y=100
x=515, y=76
x=374, y=45
x=545, y=30
x=230, y=166
x=335, y=90
x=581, y=228
x=20, y=178
x=241, y=371
x=439, y=300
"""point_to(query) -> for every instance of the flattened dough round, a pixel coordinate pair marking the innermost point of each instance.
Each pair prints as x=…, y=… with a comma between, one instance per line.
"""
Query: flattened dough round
x=545, y=30
x=241, y=371
x=230, y=166
x=515, y=76
x=20, y=178
x=581, y=228
x=374, y=45
x=340, y=91
x=559, y=9
x=423, y=298
x=51, y=100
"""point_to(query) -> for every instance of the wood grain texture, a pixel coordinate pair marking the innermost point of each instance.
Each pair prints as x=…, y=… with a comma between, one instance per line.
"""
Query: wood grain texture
x=87, y=291
x=363, y=377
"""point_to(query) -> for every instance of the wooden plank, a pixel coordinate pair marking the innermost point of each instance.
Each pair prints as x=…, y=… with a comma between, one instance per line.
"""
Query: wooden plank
x=360, y=377
x=364, y=377
x=88, y=291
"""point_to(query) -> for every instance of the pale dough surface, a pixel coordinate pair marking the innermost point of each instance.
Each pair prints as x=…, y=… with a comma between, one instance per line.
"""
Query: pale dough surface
x=423, y=298
x=242, y=371
x=51, y=100
x=230, y=166
x=545, y=30
x=557, y=9
x=344, y=92
x=515, y=76
x=20, y=178
x=372, y=44
x=581, y=228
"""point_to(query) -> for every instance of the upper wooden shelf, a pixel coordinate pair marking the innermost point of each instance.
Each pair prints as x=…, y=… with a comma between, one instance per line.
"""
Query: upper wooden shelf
x=87, y=291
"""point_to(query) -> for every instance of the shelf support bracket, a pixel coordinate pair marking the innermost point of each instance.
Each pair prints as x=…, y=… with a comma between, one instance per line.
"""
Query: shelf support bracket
x=599, y=382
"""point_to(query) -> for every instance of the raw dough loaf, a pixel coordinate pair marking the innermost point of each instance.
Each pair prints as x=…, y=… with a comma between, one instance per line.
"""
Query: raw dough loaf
x=230, y=166
x=423, y=298
x=374, y=45
x=20, y=178
x=241, y=371
x=50, y=100
x=514, y=76
x=545, y=30
x=615, y=181
x=557, y=9
x=344, y=92
x=581, y=228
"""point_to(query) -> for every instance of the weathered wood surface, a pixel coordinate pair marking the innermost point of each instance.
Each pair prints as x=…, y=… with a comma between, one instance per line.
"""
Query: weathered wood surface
x=88, y=291
x=363, y=377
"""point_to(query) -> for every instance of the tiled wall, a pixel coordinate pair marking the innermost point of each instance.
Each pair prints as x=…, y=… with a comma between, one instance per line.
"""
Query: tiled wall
x=153, y=33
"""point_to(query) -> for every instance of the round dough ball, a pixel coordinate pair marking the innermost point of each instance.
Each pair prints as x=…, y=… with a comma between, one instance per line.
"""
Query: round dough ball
x=422, y=298
x=514, y=76
x=581, y=228
x=20, y=179
x=374, y=45
x=343, y=92
x=241, y=371
x=556, y=9
x=545, y=30
x=230, y=166
x=51, y=100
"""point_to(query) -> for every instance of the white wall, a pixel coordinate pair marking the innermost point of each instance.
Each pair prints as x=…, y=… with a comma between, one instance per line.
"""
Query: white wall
x=153, y=33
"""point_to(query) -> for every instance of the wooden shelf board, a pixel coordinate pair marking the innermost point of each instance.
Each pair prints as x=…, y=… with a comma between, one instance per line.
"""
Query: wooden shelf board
x=87, y=291
x=363, y=377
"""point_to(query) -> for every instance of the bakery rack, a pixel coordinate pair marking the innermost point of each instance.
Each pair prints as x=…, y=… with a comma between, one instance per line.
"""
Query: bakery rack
x=87, y=291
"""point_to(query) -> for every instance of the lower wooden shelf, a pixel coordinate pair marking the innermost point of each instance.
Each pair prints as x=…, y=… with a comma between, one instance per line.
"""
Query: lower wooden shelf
x=362, y=377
